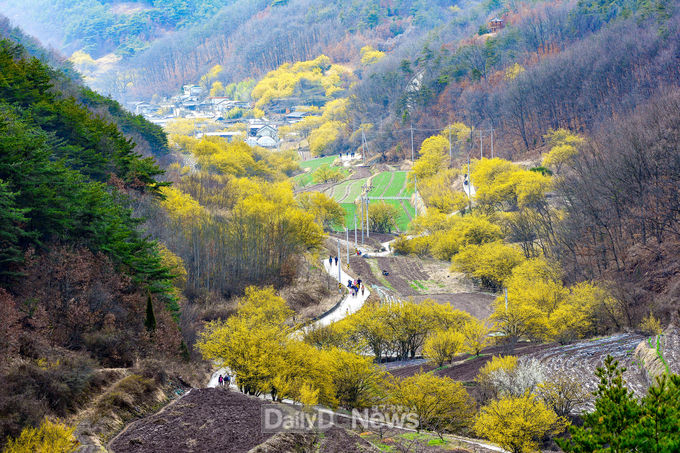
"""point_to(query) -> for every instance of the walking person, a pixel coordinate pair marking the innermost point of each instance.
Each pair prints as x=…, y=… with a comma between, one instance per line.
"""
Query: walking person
x=362, y=290
x=221, y=381
x=330, y=260
x=336, y=260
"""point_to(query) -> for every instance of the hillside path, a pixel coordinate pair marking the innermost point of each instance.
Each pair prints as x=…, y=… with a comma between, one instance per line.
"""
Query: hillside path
x=349, y=304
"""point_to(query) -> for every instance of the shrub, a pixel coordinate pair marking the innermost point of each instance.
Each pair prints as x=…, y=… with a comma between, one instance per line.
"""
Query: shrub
x=127, y=396
x=518, y=423
x=47, y=438
x=113, y=349
x=63, y=385
x=650, y=326
x=486, y=373
x=442, y=346
x=382, y=217
x=491, y=263
x=440, y=403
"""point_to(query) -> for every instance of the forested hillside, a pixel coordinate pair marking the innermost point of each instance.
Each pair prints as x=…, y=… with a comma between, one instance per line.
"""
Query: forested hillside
x=76, y=273
x=164, y=44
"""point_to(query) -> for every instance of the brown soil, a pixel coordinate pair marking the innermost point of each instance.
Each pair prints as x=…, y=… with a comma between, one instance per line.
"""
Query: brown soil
x=437, y=282
x=203, y=420
x=334, y=440
x=477, y=304
x=372, y=243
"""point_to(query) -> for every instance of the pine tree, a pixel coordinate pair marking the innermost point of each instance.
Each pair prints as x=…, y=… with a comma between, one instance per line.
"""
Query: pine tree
x=150, y=321
x=10, y=232
x=184, y=351
x=616, y=412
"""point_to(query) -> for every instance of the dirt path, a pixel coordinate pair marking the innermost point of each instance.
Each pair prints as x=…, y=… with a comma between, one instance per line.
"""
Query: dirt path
x=348, y=189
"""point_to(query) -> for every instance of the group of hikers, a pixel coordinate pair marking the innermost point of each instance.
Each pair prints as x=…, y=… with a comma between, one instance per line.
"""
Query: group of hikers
x=355, y=286
x=226, y=380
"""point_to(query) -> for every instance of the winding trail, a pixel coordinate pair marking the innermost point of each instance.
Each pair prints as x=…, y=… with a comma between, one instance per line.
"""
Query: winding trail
x=349, y=304
x=344, y=308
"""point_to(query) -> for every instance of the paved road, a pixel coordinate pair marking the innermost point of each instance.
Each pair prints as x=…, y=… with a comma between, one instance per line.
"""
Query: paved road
x=349, y=304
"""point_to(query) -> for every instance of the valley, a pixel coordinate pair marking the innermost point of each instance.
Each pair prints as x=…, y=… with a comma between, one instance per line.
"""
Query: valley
x=449, y=226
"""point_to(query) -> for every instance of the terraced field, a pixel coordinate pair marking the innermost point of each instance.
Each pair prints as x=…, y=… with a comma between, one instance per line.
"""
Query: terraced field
x=384, y=184
x=390, y=184
x=581, y=359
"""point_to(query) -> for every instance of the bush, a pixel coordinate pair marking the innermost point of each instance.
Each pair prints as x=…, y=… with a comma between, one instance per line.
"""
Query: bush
x=62, y=385
x=114, y=349
x=491, y=263
x=127, y=396
x=154, y=369
x=440, y=403
x=650, y=326
x=382, y=217
x=518, y=423
x=48, y=438
x=419, y=245
x=441, y=346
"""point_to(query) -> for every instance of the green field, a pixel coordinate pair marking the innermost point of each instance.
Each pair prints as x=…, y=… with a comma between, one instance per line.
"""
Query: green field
x=402, y=221
x=390, y=184
x=313, y=164
x=379, y=183
x=385, y=184
x=354, y=190
x=350, y=210
x=396, y=187
x=305, y=179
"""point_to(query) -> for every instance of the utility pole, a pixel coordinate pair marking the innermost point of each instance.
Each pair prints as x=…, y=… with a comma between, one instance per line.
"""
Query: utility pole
x=368, y=229
x=347, y=241
x=412, y=150
x=339, y=262
x=362, y=220
x=481, y=150
x=450, y=152
x=492, y=142
x=469, y=181
x=355, y=229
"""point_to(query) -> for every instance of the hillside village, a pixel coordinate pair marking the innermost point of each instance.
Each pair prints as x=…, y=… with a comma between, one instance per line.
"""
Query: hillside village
x=218, y=112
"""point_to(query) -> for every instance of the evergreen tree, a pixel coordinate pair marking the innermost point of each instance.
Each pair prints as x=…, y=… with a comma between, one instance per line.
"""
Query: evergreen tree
x=610, y=426
x=150, y=321
x=10, y=232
